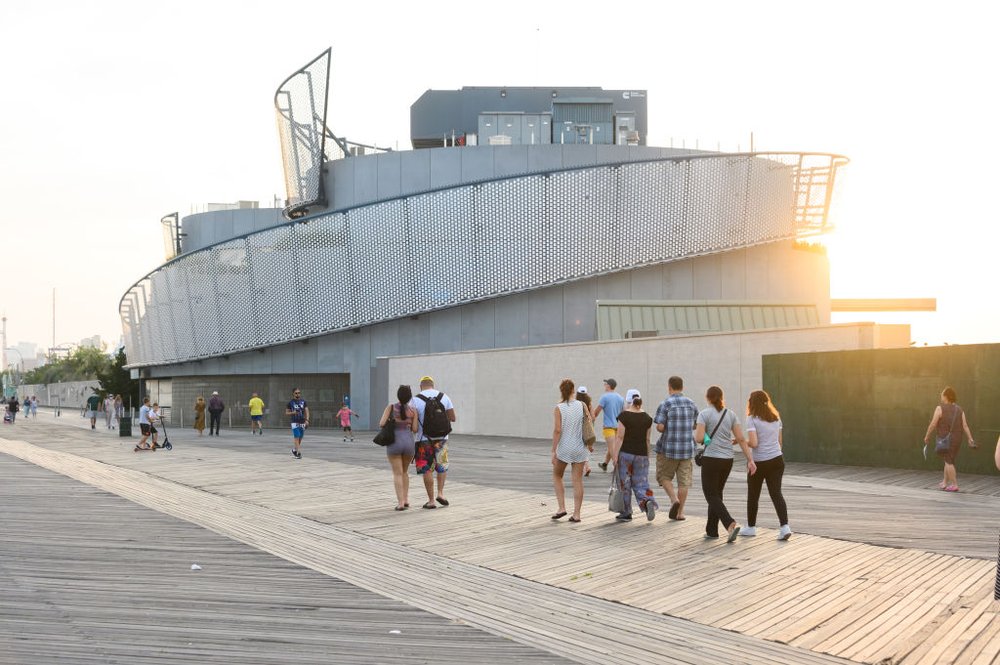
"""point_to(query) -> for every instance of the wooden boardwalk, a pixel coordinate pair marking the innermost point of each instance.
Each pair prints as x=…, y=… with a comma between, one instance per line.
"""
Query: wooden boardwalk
x=594, y=592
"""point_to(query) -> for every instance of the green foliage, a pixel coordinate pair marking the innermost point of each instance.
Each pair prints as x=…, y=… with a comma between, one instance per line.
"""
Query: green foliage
x=115, y=380
x=84, y=364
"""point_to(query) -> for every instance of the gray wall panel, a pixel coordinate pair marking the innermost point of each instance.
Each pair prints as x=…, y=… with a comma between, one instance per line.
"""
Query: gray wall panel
x=415, y=167
x=511, y=321
x=477, y=164
x=647, y=283
x=365, y=179
x=340, y=184
x=304, y=356
x=446, y=167
x=283, y=359
x=545, y=324
x=389, y=175
x=510, y=160
x=479, y=325
x=617, y=286
x=707, y=278
x=678, y=280
x=414, y=335
x=580, y=311
x=446, y=330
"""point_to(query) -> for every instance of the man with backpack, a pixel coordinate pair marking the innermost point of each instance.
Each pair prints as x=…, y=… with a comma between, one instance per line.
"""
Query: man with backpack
x=435, y=414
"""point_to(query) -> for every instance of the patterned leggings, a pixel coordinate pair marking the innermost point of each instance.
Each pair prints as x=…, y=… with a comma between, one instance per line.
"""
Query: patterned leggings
x=996, y=586
x=633, y=472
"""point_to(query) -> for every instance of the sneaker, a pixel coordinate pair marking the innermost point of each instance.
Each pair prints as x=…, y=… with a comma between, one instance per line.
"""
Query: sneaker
x=296, y=454
x=650, y=510
x=785, y=532
x=604, y=466
x=622, y=517
x=748, y=531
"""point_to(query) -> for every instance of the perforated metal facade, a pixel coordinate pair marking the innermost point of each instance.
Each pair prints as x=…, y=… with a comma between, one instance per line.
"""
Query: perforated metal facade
x=419, y=253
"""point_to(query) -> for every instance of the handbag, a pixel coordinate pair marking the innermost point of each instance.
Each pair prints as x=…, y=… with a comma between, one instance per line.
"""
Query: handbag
x=589, y=435
x=943, y=443
x=616, y=500
x=387, y=433
x=708, y=439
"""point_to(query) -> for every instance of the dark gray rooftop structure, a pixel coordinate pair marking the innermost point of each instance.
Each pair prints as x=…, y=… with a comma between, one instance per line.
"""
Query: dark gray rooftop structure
x=576, y=113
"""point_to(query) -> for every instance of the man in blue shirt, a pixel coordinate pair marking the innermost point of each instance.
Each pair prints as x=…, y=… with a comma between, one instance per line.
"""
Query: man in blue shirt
x=611, y=403
x=675, y=420
x=298, y=411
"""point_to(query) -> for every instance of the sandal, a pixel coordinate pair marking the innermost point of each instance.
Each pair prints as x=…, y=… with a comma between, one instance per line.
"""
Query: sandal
x=429, y=505
x=399, y=508
x=559, y=516
x=443, y=501
x=573, y=519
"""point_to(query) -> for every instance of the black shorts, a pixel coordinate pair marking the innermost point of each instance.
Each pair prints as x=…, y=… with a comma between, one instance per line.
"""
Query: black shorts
x=146, y=429
x=347, y=428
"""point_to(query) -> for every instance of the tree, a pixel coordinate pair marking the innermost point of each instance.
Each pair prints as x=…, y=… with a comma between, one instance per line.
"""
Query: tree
x=84, y=364
x=116, y=380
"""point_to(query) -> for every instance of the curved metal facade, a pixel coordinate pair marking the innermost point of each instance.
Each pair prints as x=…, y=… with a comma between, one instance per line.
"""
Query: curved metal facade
x=401, y=257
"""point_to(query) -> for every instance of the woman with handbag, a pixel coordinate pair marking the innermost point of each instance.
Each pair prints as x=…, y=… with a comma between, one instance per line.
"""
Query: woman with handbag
x=763, y=427
x=948, y=422
x=568, y=448
x=630, y=451
x=400, y=451
x=717, y=460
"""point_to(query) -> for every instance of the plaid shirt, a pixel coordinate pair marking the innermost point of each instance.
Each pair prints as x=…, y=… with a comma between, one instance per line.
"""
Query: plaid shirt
x=678, y=413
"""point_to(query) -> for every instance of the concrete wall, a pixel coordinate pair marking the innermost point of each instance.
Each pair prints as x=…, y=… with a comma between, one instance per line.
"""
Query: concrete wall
x=559, y=314
x=71, y=394
x=872, y=408
x=512, y=392
x=208, y=228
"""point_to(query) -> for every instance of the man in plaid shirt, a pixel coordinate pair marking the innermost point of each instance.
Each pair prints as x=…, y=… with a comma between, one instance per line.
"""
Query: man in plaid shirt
x=675, y=419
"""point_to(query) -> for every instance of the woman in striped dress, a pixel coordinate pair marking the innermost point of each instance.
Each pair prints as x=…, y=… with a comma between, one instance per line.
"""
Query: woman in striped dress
x=568, y=448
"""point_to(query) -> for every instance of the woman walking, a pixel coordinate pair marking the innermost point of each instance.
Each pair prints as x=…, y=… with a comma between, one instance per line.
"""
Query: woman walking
x=717, y=462
x=763, y=427
x=631, y=455
x=949, y=421
x=199, y=415
x=568, y=448
x=119, y=410
x=400, y=451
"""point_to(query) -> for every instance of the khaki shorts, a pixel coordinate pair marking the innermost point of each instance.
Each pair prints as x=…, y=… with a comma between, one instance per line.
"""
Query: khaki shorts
x=667, y=467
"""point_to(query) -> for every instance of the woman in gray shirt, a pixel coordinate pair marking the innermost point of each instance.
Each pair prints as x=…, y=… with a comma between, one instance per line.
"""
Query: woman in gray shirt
x=764, y=437
x=724, y=429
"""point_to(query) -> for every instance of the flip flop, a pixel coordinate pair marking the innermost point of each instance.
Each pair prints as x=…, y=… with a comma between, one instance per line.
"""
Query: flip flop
x=559, y=516
x=573, y=519
x=399, y=508
x=673, y=510
x=443, y=501
x=429, y=505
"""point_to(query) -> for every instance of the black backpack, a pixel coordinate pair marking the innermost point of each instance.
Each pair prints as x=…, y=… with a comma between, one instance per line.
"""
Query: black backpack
x=436, y=423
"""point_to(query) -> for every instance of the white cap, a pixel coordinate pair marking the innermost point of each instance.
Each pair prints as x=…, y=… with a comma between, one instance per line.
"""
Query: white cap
x=631, y=395
x=582, y=389
x=215, y=392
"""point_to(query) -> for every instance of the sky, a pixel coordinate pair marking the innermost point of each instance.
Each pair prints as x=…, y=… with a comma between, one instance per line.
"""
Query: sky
x=114, y=114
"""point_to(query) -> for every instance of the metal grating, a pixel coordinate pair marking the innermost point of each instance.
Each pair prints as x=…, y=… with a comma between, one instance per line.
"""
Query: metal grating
x=300, y=103
x=622, y=319
x=414, y=254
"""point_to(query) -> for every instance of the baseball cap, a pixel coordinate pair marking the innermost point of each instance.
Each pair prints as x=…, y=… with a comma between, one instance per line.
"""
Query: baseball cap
x=631, y=395
x=612, y=383
x=582, y=389
x=215, y=392
x=427, y=379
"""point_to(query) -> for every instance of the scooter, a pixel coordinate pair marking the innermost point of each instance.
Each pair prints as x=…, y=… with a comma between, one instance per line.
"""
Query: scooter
x=166, y=445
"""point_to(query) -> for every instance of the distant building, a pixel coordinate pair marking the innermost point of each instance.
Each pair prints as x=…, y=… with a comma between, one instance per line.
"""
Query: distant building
x=91, y=342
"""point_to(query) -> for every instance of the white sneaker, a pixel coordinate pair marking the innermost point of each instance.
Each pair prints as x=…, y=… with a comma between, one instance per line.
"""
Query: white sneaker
x=748, y=531
x=785, y=532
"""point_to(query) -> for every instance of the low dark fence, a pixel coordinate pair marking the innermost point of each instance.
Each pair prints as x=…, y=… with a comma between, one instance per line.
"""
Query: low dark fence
x=872, y=408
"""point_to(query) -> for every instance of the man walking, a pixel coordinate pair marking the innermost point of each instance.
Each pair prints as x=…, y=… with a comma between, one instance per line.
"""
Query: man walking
x=611, y=403
x=298, y=411
x=256, y=414
x=215, y=408
x=435, y=413
x=93, y=406
x=675, y=420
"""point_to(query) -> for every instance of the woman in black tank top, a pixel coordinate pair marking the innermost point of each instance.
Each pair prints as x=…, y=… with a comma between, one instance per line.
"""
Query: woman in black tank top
x=949, y=421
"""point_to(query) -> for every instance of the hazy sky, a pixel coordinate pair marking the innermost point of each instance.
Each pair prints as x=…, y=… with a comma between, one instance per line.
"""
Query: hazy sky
x=117, y=113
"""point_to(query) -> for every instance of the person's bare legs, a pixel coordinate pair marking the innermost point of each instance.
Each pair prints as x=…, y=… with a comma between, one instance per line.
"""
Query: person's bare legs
x=558, y=469
x=950, y=475
x=682, y=495
x=440, y=483
x=399, y=478
x=577, y=490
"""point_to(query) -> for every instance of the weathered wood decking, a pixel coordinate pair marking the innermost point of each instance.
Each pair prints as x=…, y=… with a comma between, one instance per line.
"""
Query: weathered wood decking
x=597, y=591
